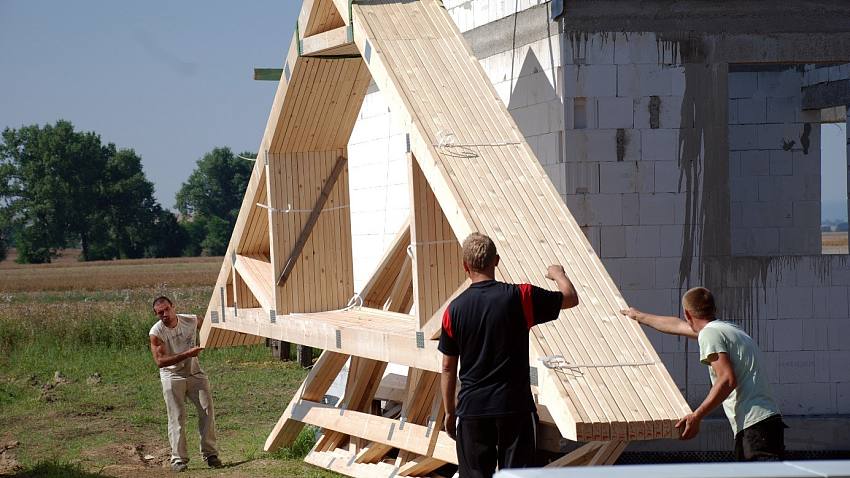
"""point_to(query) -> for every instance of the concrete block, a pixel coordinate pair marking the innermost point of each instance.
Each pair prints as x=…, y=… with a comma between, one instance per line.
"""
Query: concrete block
x=660, y=144
x=631, y=210
x=615, y=112
x=549, y=148
x=842, y=397
x=698, y=374
x=636, y=80
x=772, y=136
x=575, y=145
x=636, y=273
x=556, y=115
x=576, y=204
x=597, y=49
x=743, y=137
x=805, y=399
x=618, y=177
x=781, y=163
x=839, y=365
x=645, y=177
x=671, y=240
x=667, y=272
x=796, y=241
x=807, y=215
x=592, y=235
x=760, y=214
x=795, y=303
x=779, y=83
x=763, y=241
x=642, y=241
x=582, y=178
x=838, y=333
x=768, y=190
x=657, y=209
x=783, y=110
x=732, y=113
x=803, y=164
x=675, y=364
x=557, y=174
x=742, y=84
x=584, y=112
x=796, y=367
x=590, y=80
x=667, y=176
x=821, y=366
x=613, y=240
x=755, y=163
x=752, y=110
x=601, y=209
x=678, y=81
x=787, y=334
x=602, y=144
x=815, y=334
x=532, y=120
x=659, y=111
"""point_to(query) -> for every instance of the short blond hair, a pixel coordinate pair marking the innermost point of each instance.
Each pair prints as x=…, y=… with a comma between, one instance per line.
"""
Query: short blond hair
x=479, y=251
x=699, y=301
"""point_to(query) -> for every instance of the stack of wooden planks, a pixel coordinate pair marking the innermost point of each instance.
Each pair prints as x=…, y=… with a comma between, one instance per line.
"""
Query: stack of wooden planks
x=288, y=274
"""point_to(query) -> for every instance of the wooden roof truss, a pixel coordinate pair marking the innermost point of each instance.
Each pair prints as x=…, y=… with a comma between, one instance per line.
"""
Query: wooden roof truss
x=288, y=272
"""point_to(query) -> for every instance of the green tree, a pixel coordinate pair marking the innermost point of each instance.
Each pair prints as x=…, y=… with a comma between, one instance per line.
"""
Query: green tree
x=210, y=199
x=61, y=188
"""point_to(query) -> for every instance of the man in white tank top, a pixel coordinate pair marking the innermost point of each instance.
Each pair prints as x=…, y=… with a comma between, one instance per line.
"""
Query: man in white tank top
x=737, y=379
x=175, y=350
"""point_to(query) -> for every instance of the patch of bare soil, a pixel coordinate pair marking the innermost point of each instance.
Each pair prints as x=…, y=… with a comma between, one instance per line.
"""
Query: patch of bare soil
x=8, y=464
x=130, y=460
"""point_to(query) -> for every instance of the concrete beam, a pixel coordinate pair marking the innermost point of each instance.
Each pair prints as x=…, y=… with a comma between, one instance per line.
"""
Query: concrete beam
x=826, y=95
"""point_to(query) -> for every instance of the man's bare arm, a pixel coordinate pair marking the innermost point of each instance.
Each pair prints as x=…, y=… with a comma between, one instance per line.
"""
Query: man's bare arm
x=725, y=383
x=161, y=357
x=556, y=273
x=448, y=385
x=661, y=323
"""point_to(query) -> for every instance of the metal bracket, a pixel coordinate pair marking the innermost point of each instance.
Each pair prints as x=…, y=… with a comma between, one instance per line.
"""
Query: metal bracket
x=367, y=51
x=223, y=303
x=401, y=421
x=233, y=258
x=420, y=340
x=407, y=141
x=272, y=316
x=430, y=426
x=214, y=316
x=267, y=157
x=235, y=310
x=532, y=375
x=298, y=37
x=338, y=339
x=286, y=72
x=349, y=33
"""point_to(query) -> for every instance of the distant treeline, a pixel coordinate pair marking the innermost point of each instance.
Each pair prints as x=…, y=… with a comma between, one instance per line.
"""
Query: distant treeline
x=61, y=188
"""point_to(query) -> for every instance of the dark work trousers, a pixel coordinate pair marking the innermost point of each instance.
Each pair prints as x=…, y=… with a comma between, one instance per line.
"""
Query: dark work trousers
x=483, y=442
x=764, y=441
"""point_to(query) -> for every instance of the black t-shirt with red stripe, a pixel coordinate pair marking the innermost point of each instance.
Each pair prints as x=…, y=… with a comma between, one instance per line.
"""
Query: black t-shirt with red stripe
x=487, y=326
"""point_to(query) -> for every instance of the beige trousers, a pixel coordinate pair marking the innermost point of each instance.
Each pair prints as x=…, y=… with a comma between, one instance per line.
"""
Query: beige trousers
x=196, y=388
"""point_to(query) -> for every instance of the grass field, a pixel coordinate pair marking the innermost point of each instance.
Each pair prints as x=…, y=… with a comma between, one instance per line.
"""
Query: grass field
x=80, y=394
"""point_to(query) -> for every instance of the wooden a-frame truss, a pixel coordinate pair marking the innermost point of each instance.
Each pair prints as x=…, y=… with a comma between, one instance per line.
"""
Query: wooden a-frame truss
x=288, y=270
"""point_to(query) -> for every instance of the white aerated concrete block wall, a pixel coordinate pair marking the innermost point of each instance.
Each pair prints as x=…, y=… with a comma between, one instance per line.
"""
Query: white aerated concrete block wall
x=774, y=166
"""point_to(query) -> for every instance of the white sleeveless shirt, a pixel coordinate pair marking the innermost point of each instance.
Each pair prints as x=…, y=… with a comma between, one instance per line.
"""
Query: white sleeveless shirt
x=179, y=339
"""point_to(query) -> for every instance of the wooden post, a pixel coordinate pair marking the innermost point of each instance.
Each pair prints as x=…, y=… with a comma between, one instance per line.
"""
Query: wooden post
x=280, y=350
x=304, y=355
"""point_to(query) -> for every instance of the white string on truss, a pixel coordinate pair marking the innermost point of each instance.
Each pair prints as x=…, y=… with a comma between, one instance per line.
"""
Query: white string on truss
x=289, y=208
x=427, y=243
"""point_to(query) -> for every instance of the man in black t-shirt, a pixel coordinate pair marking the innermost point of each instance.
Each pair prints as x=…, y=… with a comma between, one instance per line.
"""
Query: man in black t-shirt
x=486, y=329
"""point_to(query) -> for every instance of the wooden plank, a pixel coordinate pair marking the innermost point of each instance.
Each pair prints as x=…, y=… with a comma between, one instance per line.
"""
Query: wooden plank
x=378, y=289
x=579, y=456
x=334, y=42
x=363, y=332
x=256, y=273
x=409, y=436
x=608, y=453
x=313, y=389
x=420, y=466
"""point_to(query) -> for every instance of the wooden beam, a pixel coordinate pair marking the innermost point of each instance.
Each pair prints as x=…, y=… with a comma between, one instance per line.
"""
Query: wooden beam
x=313, y=388
x=420, y=466
x=391, y=339
x=405, y=436
x=608, y=453
x=332, y=43
x=268, y=74
x=311, y=221
x=577, y=457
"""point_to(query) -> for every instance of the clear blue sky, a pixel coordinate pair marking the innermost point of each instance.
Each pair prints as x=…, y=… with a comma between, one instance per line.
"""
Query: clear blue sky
x=170, y=79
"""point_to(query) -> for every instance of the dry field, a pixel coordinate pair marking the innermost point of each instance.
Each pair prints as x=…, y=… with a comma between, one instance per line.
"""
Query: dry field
x=67, y=274
x=834, y=242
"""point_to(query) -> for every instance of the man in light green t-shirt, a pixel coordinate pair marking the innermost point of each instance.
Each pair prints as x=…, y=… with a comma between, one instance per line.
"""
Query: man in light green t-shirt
x=737, y=381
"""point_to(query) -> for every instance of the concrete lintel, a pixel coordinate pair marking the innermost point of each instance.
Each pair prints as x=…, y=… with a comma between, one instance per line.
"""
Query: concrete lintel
x=826, y=95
